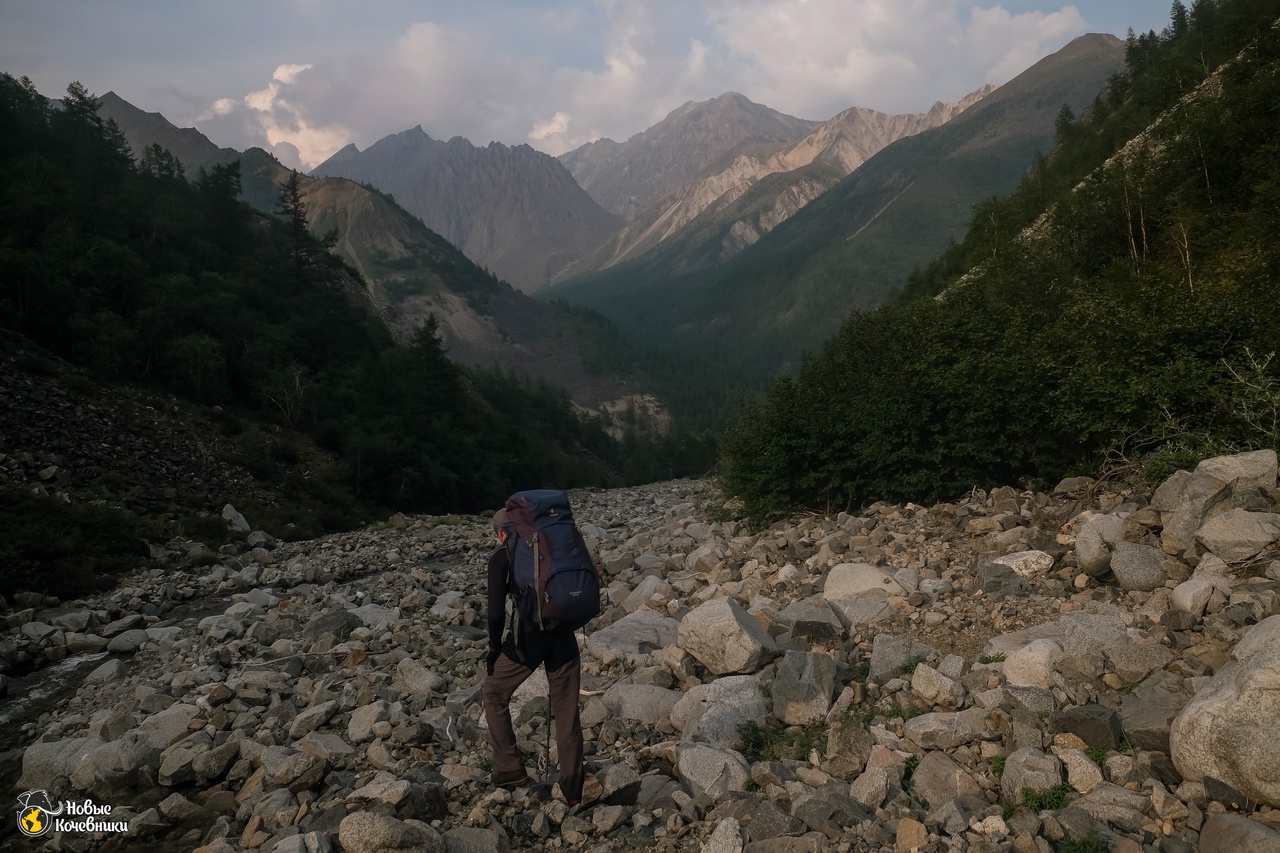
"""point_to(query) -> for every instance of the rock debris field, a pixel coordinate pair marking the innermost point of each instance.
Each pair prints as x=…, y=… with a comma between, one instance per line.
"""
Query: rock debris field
x=1096, y=669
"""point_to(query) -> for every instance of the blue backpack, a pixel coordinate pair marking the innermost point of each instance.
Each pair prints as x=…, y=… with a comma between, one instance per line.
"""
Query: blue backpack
x=554, y=582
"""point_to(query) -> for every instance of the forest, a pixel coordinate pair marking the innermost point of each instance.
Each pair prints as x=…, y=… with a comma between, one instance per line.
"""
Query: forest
x=1117, y=311
x=145, y=275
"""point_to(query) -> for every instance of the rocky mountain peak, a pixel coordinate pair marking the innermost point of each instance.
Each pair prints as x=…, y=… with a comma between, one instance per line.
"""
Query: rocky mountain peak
x=628, y=177
x=511, y=209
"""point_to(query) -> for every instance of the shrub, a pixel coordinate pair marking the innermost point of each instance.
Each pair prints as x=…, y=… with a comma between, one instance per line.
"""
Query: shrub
x=1048, y=799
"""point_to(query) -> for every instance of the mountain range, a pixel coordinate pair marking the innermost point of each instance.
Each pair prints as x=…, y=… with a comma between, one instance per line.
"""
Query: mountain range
x=852, y=245
x=735, y=214
x=727, y=231
x=512, y=209
x=411, y=272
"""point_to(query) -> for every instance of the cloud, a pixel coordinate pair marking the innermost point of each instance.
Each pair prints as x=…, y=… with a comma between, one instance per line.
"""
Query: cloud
x=816, y=57
x=563, y=74
x=558, y=123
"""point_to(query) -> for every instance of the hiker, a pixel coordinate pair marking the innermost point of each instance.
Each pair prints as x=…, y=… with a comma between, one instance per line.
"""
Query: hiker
x=527, y=645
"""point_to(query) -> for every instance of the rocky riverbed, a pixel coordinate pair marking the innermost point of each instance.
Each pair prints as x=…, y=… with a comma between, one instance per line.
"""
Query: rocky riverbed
x=1093, y=669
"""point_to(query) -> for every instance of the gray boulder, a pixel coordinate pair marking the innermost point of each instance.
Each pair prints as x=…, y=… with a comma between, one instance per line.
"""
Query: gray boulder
x=849, y=746
x=1238, y=535
x=1228, y=730
x=1149, y=710
x=366, y=832
x=1138, y=567
x=860, y=580
x=939, y=779
x=890, y=654
x=1033, y=665
x=946, y=730
x=1096, y=540
x=714, y=713
x=725, y=638
x=814, y=619
x=1028, y=768
x=634, y=637
x=710, y=770
x=646, y=703
x=803, y=687
x=1233, y=833
x=44, y=762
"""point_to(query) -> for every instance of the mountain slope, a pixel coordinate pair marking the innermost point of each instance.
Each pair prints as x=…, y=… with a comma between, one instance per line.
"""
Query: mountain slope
x=411, y=271
x=512, y=209
x=835, y=148
x=858, y=241
x=699, y=137
x=1116, y=312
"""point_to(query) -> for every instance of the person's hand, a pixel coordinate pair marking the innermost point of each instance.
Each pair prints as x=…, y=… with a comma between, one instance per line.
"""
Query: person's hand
x=492, y=659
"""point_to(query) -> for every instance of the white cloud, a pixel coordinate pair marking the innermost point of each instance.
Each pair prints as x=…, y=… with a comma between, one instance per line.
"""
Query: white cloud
x=568, y=74
x=816, y=57
x=558, y=123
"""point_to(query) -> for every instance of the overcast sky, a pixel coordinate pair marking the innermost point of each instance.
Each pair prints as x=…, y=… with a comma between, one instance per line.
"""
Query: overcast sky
x=305, y=77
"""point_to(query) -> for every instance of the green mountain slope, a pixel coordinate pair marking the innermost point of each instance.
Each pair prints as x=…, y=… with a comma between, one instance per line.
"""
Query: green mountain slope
x=853, y=245
x=1116, y=311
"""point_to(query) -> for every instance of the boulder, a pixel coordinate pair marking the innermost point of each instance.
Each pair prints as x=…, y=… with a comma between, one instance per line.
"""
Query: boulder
x=645, y=703
x=859, y=580
x=1096, y=541
x=725, y=638
x=1237, y=535
x=946, y=730
x=1033, y=665
x=416, y=680
x=634, y=637
x=1242, y=471
x=44, y=762
x=814, y=619
x=1192, y=595
x=1138, y=567
x=108, y=672
x=1028, y=768
x=1148, y=711
x=934, y=688
x=999, y=581
x=939, y=779
x=849, y=744
x=710, y=770
x=890, y=655
x=1028, y=564
x=1265, y=635
x=714, y=713
x=803, y=687
x=1228, y=730
x=366, y=832
x=1233, y=833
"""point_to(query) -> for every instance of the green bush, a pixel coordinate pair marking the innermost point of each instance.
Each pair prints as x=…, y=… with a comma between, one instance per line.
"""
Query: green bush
x=1048, y=799
x=66, y=550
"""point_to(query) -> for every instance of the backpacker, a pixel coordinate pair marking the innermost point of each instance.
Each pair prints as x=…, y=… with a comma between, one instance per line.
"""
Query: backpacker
x=554, y=583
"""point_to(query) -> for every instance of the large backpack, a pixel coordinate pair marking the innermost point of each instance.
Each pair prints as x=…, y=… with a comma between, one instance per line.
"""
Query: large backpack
x=554, y=582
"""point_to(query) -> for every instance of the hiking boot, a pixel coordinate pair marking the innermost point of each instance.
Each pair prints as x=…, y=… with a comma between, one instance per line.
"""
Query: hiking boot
x=509, y=778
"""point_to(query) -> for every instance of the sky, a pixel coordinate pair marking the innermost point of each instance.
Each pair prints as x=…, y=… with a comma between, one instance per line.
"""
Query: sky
x=302, y=78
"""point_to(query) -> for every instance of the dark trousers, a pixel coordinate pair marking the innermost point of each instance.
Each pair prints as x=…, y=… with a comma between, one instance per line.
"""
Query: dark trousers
x=558, y=653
